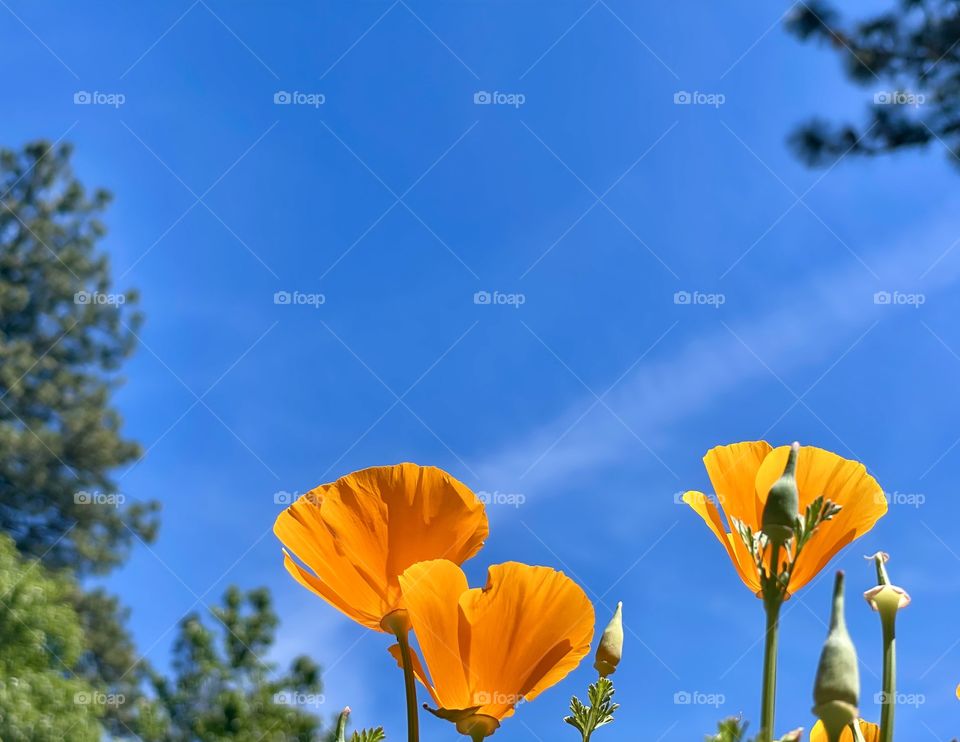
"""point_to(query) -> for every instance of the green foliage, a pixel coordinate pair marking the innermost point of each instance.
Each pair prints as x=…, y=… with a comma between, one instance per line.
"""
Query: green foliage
x=63, y=334
x=729, y=730
x=734, y=729
x=600, y=712
x=912, y=54
x=774, y=583
x=41, y=642
x=223, y=689
x=369, y=735
x=339, y=734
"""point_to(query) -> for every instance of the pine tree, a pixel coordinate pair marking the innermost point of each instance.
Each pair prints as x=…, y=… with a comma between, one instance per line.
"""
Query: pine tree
x=224, y=689
x=910, y=58
x=63, y=337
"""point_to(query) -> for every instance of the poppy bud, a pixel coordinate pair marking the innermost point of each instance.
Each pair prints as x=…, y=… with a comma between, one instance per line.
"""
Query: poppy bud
x=611, y=645
x=836, y=691
x=782, y=508
x=342, y=725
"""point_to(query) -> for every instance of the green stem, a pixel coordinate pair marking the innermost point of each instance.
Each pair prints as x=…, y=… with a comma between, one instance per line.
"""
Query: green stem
x=409, y=682
x=889, y=677
x=772, y=600
x=769, y=702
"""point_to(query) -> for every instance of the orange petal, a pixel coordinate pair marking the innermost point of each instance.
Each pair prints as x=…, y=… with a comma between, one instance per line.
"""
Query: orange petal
x=431, y=592
x=733, y=471
x=840, y=480
x=301, y=529
x=418, y=670
x=359, y=533
x=528, y=628
x=736, y=550
x=871, y=733
x=314, y=584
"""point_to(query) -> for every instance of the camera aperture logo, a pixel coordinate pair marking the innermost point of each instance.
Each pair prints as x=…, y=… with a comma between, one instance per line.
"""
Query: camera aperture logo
x=499, y=298
x=909, y=499
x=298, y=98
x=97, y=698
x=299, y=298
x=487, y=698
x=698, y=698
x=899, y=699
x=698, y=98
x=110, y=499
x=699, y=299
x=291, y=698
x=899, y=299
x=96, y=297
x=699, y=498
x=497, y=98
x=98, y=98
x=282, y=497
x=514, y=499
x=899, y=98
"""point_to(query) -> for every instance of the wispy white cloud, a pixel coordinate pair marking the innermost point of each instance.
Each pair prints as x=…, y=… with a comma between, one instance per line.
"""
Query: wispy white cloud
x=814, y=322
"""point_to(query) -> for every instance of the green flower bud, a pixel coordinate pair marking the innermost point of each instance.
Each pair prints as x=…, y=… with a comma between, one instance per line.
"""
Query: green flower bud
x=342, y=725
x=782, y=508
x=836, y=692
x=611, y=645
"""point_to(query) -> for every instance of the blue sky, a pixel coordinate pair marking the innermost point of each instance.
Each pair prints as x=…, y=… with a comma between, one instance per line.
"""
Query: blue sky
x=592, y=199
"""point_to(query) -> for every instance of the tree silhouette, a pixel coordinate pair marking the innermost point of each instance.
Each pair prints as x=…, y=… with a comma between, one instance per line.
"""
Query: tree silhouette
x=223, y=688
x=910, y=56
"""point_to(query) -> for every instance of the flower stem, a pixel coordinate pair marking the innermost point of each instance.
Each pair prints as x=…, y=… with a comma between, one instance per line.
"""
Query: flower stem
x=889, y=676
x=768, y=704
x=409, y=682
x=857, y=731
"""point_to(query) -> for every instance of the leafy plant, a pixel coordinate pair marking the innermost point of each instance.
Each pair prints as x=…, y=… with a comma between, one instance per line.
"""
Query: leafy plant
x=600, y=712
x=369, y=735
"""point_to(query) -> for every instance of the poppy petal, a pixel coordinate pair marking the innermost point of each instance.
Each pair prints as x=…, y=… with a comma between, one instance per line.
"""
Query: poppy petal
x=318, y=586
x=418, y=671
x=529, y=627
x=431, y=592
x=732, y=470
x=844, y=482
x=871, y=733
x=359, y=533
x=736, y=550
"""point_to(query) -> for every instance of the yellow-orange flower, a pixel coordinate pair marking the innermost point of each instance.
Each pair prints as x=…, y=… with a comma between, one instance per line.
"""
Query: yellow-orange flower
x=871, y=733
x=357, y=535
x=488, y=649
x=742, y=474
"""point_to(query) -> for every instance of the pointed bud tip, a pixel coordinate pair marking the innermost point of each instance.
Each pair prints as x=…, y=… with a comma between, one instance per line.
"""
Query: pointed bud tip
x=795, y=446
x=610, y=649
x=781, y=511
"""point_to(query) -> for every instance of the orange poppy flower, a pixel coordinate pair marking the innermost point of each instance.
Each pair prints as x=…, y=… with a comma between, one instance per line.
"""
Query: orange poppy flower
x=489, y=649
x=742, y=474
x=357, y=535
x=871, y=733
